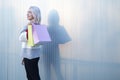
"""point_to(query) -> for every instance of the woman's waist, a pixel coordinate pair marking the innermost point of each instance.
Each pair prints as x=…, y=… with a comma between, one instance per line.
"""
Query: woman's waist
x=25, y=45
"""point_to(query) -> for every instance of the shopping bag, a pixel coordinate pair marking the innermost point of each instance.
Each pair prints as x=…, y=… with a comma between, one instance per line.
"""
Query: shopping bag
x=40, y=34
x=30, y=36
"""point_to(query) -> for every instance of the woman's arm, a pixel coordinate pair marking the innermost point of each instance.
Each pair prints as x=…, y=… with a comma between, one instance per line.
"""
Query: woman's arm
x=23, y=29
x=23, y=37
x=23, y=34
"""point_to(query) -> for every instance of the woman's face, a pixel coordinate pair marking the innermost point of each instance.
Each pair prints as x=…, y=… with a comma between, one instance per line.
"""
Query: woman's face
x=29, y=15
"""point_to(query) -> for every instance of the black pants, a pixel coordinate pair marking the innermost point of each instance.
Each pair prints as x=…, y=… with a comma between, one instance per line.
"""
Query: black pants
x=31, y=67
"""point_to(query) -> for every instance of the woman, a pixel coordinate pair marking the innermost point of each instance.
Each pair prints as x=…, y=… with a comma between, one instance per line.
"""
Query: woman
x=31, y=55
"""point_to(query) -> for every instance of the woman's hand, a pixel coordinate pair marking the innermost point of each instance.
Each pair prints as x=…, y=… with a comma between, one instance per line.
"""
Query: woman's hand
x=22, y=62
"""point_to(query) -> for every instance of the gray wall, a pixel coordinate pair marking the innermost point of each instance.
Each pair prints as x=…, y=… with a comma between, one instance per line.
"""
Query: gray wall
x=93, y=53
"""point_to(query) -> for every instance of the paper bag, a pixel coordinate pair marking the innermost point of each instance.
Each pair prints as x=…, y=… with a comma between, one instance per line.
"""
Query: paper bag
x=40, y=34
x=30, y=36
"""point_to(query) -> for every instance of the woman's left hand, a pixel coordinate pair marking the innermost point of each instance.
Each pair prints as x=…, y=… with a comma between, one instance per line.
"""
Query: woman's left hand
x=22, y=62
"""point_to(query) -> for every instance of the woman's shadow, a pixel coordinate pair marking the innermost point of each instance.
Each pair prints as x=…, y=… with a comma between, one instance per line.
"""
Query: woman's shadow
x=51, y=54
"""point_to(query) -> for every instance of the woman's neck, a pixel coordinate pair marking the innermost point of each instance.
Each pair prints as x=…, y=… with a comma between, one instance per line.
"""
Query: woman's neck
x=32, y=21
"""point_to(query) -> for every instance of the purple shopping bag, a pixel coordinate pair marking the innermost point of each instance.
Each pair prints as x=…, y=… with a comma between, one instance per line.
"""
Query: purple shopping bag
x=40, y=34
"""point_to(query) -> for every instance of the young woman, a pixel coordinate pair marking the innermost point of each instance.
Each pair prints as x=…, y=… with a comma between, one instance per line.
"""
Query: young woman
x=31, y=55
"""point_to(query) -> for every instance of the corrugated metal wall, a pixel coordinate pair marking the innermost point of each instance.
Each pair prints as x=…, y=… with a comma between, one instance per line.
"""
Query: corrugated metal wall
x=94, y=26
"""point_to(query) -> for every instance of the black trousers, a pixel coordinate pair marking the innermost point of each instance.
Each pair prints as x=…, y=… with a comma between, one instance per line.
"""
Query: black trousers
x=31, y=67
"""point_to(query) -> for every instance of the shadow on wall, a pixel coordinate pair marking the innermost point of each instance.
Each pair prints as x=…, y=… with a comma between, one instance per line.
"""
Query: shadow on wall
x=51, y=53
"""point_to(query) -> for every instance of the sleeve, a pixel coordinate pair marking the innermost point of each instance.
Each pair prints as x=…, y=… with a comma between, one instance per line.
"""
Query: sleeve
x=23, y=29
x=23, y=36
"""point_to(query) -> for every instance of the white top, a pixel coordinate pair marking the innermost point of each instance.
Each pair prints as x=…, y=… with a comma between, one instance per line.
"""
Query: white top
x=27, y=51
